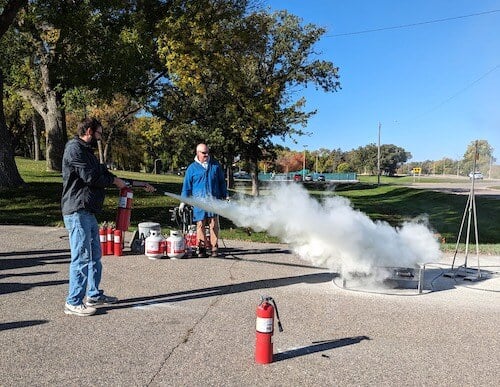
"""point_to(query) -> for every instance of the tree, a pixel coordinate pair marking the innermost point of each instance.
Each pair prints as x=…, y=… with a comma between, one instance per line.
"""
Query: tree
x=365, y=159
x=480, y=153
x=105, y=46
x=391, y=158
x=240, y=70
x=9, y=174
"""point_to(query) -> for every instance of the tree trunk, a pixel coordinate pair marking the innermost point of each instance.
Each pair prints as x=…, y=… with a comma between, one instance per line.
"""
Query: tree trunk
x=55, y=122
x=56, y=136
x=9, y=174
x=230, y=177
x=255, y=177
x=37, y=124
x=51, y=110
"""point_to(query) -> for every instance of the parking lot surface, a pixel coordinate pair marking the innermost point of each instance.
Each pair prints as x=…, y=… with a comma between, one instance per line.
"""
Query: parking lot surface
x=191, y=322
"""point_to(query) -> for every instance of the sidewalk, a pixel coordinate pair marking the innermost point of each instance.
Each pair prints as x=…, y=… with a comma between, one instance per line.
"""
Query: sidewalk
x=191, y=322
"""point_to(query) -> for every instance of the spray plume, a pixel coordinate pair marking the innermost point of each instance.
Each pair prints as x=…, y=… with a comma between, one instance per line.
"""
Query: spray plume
x=329, y=233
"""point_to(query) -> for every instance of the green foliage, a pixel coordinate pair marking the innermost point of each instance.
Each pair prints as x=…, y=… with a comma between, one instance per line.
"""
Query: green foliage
x=343, y=168
x=234, y=74
x=478, y=153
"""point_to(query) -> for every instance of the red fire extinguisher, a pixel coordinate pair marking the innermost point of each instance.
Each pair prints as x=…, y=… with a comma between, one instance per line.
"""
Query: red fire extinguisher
x=124, y=209
x=109, y=240
x=264, y=328
x=118, y=243
x=102, y=239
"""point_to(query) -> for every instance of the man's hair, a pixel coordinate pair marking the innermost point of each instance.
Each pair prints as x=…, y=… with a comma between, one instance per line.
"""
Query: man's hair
x=86, y=123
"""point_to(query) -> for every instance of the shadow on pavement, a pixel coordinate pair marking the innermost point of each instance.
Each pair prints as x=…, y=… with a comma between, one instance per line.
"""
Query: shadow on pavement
x=233, y=251
x=13, y=287
x=232, y=256
x=33, y=252
x=218, y=291
x=20, y=324
x=19, y=259
x=318, y=347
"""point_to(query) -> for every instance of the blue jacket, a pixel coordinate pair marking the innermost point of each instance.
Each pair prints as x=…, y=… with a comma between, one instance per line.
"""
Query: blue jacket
x=204, y=183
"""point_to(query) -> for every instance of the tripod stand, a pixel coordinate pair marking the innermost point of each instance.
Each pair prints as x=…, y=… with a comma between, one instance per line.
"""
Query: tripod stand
x=471, y=215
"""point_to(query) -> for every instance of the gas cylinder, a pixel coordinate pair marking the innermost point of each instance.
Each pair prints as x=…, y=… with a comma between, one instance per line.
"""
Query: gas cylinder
x=124, y=209
x=264, y=329
x=154, y=245
x=176, y=247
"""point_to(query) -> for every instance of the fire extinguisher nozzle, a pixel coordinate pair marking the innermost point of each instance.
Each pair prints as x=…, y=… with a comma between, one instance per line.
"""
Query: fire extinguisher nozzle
x=280, y=328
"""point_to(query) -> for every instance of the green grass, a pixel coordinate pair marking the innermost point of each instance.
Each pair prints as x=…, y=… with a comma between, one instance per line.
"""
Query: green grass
x=38, y=203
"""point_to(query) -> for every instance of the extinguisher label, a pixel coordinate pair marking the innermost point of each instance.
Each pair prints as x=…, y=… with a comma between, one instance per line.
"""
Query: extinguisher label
x=130, y=195
x=264, y=325
x=117, y=239
x=102, y=238
x=122, y=202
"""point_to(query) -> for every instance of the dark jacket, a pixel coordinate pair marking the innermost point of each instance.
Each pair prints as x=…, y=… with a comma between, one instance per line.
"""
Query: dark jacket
x=204, y=183
x=84, y=179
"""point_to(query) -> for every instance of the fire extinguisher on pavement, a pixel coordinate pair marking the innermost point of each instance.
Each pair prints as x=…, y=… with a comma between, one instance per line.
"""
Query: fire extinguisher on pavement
x=264, y=328
x=109, y=239
x=103, y=238
x=118, y=242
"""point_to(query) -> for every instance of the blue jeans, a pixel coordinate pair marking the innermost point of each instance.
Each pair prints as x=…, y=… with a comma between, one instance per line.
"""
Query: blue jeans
x=85, y=269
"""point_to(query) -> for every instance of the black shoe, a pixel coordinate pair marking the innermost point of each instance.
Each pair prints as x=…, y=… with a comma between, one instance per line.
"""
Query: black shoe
x=101, y=300
x=202, y=252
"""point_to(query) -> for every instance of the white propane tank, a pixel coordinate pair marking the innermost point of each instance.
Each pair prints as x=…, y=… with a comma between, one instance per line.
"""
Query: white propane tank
x=154, y=245
x=176, y=247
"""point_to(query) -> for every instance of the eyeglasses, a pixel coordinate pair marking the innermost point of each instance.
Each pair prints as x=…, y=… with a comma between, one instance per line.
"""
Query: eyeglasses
x=204, y=153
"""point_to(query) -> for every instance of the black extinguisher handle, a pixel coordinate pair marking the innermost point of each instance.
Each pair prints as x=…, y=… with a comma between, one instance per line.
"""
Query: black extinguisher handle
x=280, y=327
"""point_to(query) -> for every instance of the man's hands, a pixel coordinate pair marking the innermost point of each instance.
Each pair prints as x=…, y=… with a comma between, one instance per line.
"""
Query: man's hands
x=149, y=188
x=122, y=184
x=119, y=183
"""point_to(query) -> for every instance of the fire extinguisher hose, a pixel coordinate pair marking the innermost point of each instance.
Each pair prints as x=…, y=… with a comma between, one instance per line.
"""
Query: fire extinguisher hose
x=271, y=300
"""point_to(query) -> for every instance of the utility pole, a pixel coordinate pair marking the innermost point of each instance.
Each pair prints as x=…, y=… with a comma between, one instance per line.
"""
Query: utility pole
x=489, y=170
x=304, y=164
x=378, y=156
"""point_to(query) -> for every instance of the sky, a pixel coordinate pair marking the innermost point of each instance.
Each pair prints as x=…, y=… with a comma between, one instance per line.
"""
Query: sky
x=433, y=88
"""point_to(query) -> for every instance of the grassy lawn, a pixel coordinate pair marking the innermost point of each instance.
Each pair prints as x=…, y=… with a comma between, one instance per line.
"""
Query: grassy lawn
x=38, y=203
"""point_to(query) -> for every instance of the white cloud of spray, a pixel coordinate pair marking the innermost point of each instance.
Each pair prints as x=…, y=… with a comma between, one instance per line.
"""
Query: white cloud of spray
x=329, y=233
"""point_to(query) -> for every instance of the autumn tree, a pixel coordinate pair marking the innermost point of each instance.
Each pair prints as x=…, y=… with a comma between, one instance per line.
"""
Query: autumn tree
x=478, y=153
x=105, y=46
x=239, y=69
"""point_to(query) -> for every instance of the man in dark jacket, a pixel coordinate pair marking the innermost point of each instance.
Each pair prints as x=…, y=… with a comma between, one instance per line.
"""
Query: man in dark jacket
x=205, y=179
x=84, y=180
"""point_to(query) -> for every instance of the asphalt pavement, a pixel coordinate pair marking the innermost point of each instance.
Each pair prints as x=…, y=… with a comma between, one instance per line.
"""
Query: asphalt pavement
x=191, y=322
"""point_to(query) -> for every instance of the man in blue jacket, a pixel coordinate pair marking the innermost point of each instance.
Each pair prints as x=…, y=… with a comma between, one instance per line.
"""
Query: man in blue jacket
x=205, y=179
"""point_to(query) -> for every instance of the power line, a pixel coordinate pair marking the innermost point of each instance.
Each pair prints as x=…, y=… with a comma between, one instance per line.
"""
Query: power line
x=458, y=92
x=412, y=24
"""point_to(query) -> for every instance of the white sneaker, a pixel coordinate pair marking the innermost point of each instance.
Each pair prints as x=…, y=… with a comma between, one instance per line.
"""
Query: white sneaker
x=79, y=310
